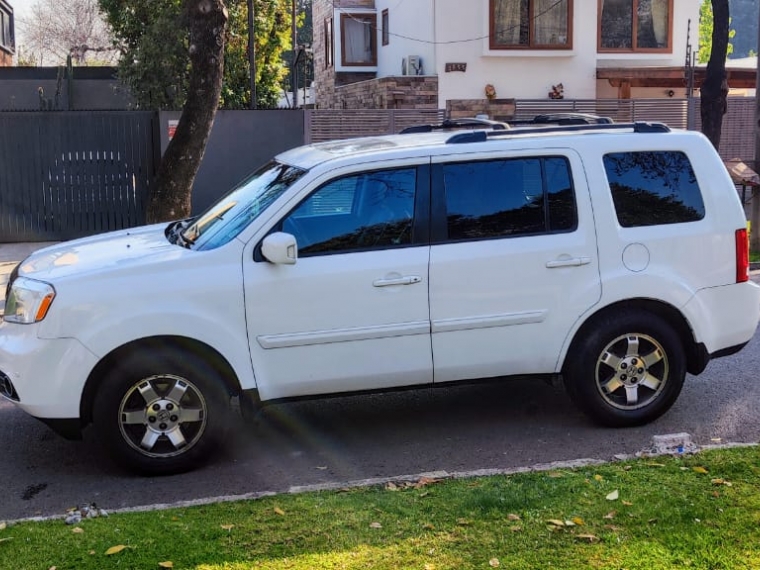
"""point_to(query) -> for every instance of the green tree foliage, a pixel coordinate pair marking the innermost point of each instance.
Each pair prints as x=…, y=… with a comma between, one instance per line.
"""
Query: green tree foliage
x=706, y=32
x=154, y=60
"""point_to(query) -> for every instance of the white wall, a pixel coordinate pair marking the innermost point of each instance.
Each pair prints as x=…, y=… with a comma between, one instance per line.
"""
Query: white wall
x=411, y=33
x=461, y=32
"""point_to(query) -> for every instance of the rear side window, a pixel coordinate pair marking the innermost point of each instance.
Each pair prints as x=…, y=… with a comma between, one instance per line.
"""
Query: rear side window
x=653, y=188
x=508, y=198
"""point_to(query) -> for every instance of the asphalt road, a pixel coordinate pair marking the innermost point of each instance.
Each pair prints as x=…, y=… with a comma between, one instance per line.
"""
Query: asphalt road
x=511, y=424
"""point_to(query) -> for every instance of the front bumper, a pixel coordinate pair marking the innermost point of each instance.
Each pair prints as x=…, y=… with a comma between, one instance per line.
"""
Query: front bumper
x=43, y=377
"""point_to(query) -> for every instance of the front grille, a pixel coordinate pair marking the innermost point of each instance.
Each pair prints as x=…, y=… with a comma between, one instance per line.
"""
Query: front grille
x=6, y=387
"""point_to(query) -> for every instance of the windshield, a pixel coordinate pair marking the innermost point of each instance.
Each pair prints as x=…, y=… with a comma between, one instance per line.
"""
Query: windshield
x=230, y=215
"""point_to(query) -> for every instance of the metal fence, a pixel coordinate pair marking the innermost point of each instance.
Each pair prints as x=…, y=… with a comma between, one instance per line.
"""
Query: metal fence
x=70, y=174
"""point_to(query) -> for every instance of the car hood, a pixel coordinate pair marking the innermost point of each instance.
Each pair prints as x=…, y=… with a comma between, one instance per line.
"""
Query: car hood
x=120, y=249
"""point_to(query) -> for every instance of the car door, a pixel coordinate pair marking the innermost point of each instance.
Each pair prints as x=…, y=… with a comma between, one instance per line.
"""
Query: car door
x=513, y=262
x=352, y=313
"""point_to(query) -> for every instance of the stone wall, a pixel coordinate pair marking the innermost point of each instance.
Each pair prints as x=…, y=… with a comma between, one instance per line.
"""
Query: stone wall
x=6, y=59
x=402, y=92
x=496, y=109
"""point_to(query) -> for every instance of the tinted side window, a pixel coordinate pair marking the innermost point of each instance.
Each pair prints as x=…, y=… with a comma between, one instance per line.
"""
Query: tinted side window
x=372, y=210
x=653, y=188
x=513, y=197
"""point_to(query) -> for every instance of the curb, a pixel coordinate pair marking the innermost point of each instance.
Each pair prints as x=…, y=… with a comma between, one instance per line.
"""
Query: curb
x=374, y=482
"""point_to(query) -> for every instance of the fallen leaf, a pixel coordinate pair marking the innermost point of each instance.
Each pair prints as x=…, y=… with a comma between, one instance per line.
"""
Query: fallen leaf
x=429, y=567
x=428, y=526
x=715, y=440
x=628, y=503
x=494, y=563
x=91, y=553
x=424, y=494
x=721, y=482
x=610, y=515
x=627, y=467
x=655, y=464
x=3, y=526
x=516, y=528
x=598, y=478
x=652, y=521
x=6, y=539
x=555, y=474
x=167, y=564
x=701, y=470
x=424, y=481
x=464, y=522
x=578, y=520
x=279, y=511
x=322, y=467
x=175, y=518
x=53, y=568
x=613, y=496
x=77, y=530
x=375, y=525
x=613, y=528
x=588, y=537
x=391, y=486
x=556, y=522
x=716, y=494
x=115, y=549
x=513, y=517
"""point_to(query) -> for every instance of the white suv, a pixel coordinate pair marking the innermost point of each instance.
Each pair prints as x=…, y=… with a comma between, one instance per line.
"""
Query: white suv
x=614, y=256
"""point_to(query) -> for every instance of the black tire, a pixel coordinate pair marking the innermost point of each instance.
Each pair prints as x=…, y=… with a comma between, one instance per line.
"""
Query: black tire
x=162, y=411
x=627, y=370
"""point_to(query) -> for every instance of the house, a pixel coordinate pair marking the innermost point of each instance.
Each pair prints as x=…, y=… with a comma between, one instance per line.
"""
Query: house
x=439, y=53
x=7, y=37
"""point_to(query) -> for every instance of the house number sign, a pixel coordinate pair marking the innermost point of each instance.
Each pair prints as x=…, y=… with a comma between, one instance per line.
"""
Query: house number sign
x=456, y=67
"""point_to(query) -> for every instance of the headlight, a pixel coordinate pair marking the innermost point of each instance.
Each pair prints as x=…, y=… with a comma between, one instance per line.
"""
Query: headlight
x=28, y=301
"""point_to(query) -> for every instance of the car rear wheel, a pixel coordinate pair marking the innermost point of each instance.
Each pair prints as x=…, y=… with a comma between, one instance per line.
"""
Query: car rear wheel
x=627, y=370
x=162, y=411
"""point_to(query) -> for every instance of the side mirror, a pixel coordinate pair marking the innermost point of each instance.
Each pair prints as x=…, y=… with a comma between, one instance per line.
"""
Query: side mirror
x=280, y=248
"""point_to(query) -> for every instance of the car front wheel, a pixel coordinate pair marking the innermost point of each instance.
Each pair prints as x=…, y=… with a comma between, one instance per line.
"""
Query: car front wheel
x=627, y=370
x=161, y=412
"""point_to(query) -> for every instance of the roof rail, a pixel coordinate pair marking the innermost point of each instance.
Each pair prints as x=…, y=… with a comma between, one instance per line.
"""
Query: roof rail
x=482, y=136
x=465, y=123
x=563, y=119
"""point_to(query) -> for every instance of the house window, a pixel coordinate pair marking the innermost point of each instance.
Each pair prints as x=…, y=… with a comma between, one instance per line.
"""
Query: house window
x=635, y=25
x=358, y=43
x=329, y=42
x=386, y=30
x=531, y=24
x=6, y=31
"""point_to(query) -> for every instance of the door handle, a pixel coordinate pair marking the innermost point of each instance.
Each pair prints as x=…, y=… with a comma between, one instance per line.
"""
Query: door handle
x=569, y=262
x=405, y=280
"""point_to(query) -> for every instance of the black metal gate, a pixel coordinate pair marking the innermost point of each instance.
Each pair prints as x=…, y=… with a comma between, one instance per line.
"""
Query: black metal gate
x=71, y=174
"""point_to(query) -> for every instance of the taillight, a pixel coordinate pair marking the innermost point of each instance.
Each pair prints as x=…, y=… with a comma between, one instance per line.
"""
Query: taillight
x=742, y=256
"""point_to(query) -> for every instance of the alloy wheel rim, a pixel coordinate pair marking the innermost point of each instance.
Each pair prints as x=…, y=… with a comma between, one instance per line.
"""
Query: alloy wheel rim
x=162, y=416
x=632, y=371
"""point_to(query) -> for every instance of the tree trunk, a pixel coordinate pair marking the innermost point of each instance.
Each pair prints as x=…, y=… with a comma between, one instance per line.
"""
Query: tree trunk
x=714, y=90
x=170, y=199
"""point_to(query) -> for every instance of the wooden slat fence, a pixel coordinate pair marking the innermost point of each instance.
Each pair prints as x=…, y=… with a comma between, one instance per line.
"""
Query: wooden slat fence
x=330, y=124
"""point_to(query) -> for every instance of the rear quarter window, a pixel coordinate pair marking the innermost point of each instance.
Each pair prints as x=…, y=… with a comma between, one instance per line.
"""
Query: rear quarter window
x=653, y=188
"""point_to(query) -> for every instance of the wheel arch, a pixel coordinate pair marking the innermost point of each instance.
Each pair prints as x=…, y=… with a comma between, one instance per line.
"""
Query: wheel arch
x=180, y=343
x=696, y=353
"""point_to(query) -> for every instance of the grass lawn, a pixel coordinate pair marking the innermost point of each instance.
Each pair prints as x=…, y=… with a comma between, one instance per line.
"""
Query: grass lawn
x=699, y=511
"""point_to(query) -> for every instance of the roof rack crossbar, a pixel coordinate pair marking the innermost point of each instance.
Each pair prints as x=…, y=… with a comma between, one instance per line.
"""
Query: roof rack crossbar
x=482, y=136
